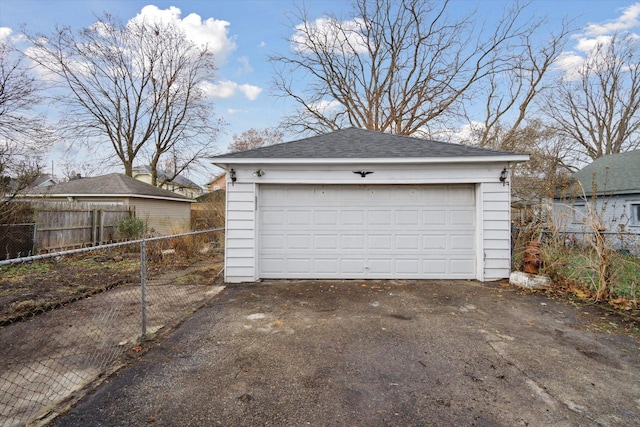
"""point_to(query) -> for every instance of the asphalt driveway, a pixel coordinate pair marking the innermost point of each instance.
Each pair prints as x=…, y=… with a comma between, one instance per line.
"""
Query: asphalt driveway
x=374, y=353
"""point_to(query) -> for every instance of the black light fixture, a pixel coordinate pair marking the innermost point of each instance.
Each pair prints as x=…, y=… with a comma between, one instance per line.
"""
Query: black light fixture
x=503, y=176
x=259, y=173
x=232, y=175
x=363, y=173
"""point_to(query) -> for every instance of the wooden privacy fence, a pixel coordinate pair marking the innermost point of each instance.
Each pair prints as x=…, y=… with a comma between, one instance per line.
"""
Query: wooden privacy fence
x=64, y=225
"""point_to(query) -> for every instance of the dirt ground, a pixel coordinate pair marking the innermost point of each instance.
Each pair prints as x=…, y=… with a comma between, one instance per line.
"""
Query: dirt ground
x=380, y=353
x=36, y=287
x=46, y=358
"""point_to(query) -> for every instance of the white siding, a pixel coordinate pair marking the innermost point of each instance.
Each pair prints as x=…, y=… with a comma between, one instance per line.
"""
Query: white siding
x=496, y=230
x=493, y=237
x=240, y=237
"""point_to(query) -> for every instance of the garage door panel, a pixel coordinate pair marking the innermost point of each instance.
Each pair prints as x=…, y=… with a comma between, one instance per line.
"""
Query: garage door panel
x=272, y=266
x=353, y=241
x=355, y=196
x=407, y=266
x=380, y=217
x=325, y=217
x=407, y=241
x=274, y=197
x=298, y=217
x=366, y=231
x=461, y=217
x=272, y=241
x=299, y=241
x=435, y=267
x=326, y=266
x=380, y=242
x=298, y=265
x=435, y=196
x=458, y=195
x=434, y=217
x=352, y=265
x=461, y=241
x=462, y=267
x=407, y=217
x=274, y=217
x=325, y=241
x=352, y=217
x=379, y=266
x=434, y=241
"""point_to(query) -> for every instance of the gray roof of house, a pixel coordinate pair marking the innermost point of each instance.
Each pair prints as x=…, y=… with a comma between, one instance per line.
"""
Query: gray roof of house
x=109, y=185
x=354, y=143
x=43, y=179
x=612, y=174
x=164, y=176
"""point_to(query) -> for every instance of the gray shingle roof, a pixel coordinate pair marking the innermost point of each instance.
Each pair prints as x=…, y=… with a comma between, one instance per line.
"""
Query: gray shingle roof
x=612, y=174
x=111, y=184
x=163, y=175
x=354, y=143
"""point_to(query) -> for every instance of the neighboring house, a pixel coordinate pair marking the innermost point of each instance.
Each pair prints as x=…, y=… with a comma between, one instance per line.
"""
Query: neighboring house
x=163, y=211
x=11, y=185
x=43, y=181
x=178, y=184
x=218, y=183
x=604, y=194
x=361, y=204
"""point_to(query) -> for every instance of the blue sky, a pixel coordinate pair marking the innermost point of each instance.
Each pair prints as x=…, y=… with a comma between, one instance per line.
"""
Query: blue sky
x=246, y=31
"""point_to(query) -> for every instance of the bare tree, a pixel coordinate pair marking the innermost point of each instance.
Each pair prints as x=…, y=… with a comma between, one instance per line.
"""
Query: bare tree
x=510, y=95
x=255, y=138
x=598, y=108
x=24, y=136
x=396, y=66
x=137, y=86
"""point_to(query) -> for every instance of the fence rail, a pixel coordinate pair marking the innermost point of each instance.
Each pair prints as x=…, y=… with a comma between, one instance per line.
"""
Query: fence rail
x=622, y=241
x=138, y=289
x=58, y=225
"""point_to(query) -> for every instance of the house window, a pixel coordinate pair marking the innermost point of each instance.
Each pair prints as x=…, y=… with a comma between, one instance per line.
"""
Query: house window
x=579, y=210
x=635, y=213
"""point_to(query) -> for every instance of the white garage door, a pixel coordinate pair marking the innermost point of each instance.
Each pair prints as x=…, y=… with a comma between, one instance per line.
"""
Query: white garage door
x=366, y=231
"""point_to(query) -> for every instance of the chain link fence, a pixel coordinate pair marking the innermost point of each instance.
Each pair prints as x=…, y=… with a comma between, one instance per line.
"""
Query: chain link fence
x=17, y=240
x=69, y=319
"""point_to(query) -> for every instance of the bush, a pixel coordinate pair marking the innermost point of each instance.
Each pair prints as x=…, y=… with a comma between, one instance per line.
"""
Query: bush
x=131, y=228
x=209, y=212
x=581, y=267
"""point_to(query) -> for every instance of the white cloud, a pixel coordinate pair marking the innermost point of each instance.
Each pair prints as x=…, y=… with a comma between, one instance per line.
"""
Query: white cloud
x=250, y=91
x=629, y=19
x=245, y=66
x=570, y=63
x=5, y=32
x=465, y=134
x=262, y=44
x=593, y=37
x=325, y=106
x=228, y=89
x=213, y=33
x=589, y=45
x=335, y=36
x=236, y=111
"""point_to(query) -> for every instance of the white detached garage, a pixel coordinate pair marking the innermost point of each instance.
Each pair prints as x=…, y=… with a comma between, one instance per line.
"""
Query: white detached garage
x=362, y=204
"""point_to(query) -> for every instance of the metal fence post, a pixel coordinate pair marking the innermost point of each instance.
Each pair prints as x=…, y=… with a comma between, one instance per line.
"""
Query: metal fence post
x=143, y=285
x=33, y=242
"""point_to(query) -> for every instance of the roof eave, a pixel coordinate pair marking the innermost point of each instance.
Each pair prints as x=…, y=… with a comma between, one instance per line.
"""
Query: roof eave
x=515, y=158
x=119, y=196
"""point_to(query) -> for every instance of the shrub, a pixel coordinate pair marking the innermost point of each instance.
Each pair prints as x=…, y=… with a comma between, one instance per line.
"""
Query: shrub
x=582, y=266
x=131, y=228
